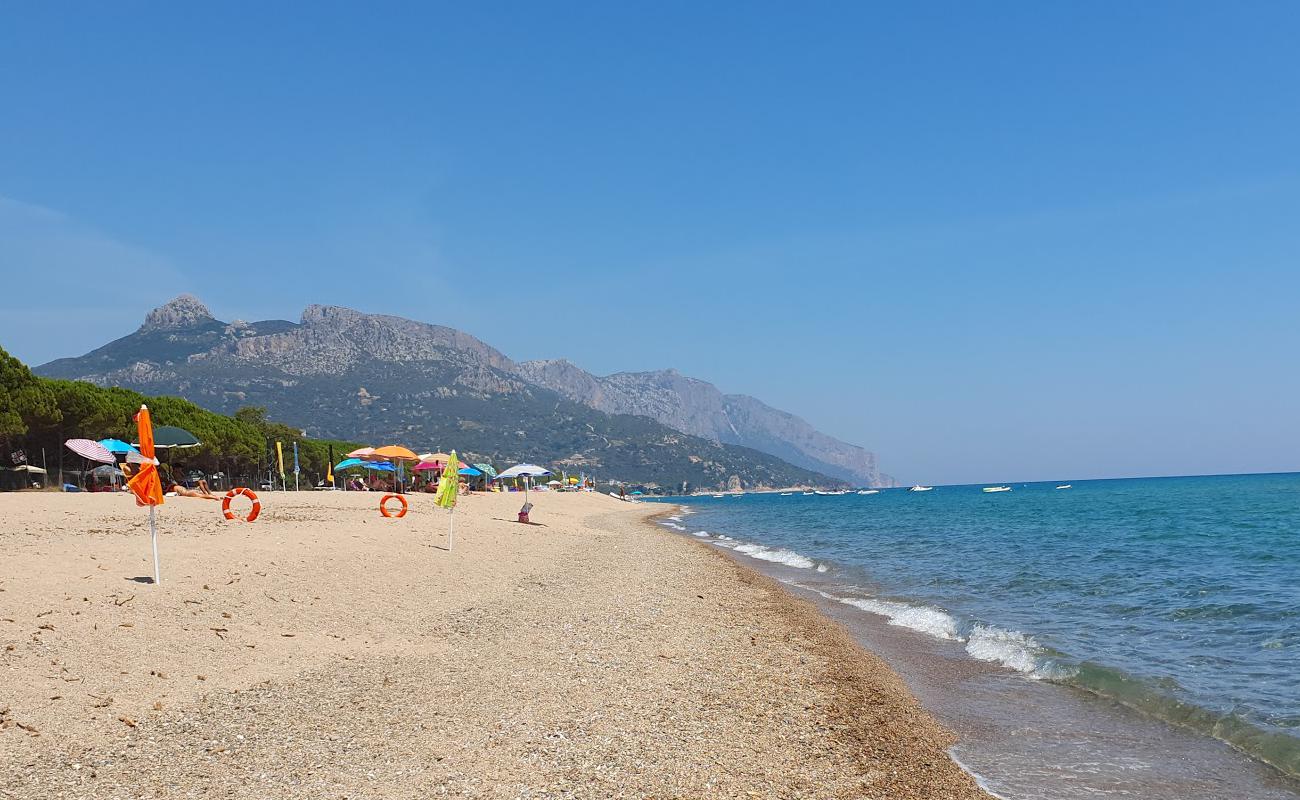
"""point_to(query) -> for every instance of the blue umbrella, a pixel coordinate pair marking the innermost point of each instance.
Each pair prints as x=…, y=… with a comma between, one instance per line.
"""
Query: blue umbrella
x=348, y=463
x=118, y=446
x=470, y=471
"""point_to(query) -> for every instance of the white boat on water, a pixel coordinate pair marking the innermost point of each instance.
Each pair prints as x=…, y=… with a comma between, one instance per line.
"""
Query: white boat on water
x=868, y=491
x=807, y=494
x=719, y=496
x=823, y=494
x=920, y=488
x=786, y=494
x=1065, y=486
x=991, y=489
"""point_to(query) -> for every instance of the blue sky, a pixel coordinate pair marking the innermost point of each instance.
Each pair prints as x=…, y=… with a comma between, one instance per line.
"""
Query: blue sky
x=1037, y=240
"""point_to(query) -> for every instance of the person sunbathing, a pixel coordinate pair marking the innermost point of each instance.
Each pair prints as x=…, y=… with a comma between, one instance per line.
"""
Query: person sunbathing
x=201, y=491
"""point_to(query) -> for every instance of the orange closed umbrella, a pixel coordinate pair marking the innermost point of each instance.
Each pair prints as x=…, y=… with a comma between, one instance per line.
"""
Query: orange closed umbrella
x=145, y=484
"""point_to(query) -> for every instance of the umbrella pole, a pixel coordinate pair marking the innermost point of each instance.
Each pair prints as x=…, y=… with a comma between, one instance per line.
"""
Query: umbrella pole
x=153, y=535
x=451, y=531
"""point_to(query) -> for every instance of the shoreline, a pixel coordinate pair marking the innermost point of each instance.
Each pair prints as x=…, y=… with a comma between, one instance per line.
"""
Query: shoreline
x=322, y=650
x=1014, y=730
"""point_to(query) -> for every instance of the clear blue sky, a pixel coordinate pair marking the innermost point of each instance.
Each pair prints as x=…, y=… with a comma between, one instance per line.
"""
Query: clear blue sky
x=988, y=241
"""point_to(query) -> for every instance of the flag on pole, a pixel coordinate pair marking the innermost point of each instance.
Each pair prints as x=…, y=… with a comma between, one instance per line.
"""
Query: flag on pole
x=279, y=459
x=145, y=484
x=295, y=458
x=329, y=467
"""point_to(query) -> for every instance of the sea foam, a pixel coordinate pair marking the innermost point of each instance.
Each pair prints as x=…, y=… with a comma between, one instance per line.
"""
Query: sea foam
x=933, y=621
x=776, y=555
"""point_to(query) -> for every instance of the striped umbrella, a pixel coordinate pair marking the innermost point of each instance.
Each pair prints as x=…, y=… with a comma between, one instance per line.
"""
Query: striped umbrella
x=91, y=450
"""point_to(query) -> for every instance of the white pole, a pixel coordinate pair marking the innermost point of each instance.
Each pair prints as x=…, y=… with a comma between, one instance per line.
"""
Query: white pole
x=153, y=535
x=451, y=532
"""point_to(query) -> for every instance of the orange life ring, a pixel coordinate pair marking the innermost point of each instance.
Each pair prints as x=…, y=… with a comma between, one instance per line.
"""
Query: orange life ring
x=236, y=492
x=383, y=506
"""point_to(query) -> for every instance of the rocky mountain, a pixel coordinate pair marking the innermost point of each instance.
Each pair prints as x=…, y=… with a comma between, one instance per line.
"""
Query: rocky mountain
x=342, y=374
x=699, y=408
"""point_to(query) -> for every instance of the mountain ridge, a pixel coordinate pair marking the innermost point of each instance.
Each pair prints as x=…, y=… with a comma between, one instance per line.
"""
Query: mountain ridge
x=326, y=359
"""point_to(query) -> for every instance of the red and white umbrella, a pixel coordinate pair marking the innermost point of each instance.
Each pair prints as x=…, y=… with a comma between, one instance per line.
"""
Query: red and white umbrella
x=91, y=450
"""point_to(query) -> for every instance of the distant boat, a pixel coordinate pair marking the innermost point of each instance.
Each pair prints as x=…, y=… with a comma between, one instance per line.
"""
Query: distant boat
x=868, y=491
x=786, y=494
x=823, y=494
x=991, y=489
x=719, y=496
x=920, y=488
x=1065, y=486
x=806, y=494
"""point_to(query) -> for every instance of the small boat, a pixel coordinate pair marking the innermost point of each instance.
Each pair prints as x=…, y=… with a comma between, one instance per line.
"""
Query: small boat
x=868, y=491
x=991, y=489
x=719, y=496
x=808, y=494
x=920, y=488
x=1065, y=486
x=786, y=494
x=823, y=494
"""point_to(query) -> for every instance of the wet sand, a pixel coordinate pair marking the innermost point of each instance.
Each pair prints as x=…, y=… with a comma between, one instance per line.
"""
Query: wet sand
x=326, y=651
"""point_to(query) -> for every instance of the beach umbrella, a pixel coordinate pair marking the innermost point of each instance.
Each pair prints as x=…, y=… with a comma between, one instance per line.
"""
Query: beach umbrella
x=470, y=471
x=393, y=452
x=446, y=496
x=348, y=463
x=379, y=466
x=441, y=458
x=425, y=466
x=554, y=483
x=91, y=450
x=524, y=471
x=488, y=470
x=362, y=452
x=145, y=484
x=120, y=447
x=107, y=471
x=168, y=437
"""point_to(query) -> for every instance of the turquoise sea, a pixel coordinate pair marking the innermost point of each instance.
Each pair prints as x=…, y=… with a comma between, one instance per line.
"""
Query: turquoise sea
x=1175, y=598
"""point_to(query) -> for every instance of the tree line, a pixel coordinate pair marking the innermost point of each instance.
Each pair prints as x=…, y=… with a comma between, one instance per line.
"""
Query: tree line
x=37, y=412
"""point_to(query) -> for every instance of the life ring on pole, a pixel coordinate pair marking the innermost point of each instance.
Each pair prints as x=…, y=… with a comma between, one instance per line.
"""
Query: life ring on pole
x=236, y=492
x=383, y=506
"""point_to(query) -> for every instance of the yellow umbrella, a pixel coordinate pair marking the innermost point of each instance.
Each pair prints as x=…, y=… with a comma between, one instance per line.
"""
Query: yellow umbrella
x=448, y=485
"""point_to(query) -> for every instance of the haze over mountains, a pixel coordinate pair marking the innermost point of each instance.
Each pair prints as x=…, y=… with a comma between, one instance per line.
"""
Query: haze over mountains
x=342, y=373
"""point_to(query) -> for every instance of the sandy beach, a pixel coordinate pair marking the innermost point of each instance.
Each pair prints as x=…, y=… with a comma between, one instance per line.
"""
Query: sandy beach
x=324, y=651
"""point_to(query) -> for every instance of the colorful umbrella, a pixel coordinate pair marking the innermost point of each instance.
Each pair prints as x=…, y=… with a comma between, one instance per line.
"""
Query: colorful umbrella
x=448, y=485
x=91, y=450
x=362, y=452
x=145, y=485
x=394, y=452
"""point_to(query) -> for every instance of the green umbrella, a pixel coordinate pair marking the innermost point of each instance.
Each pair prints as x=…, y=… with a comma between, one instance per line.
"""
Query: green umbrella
x=170, y=436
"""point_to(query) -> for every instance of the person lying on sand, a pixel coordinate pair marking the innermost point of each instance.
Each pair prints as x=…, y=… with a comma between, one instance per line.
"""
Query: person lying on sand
x=202, y=491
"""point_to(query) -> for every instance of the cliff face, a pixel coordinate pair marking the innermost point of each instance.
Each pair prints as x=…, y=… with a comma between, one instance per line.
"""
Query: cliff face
x=358, y=363
x=699, y=408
